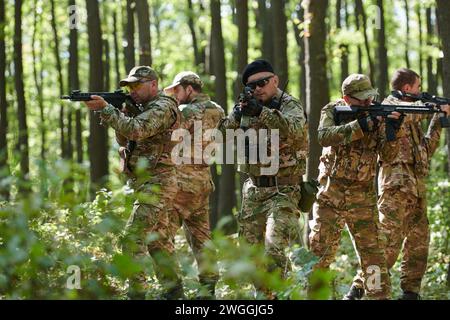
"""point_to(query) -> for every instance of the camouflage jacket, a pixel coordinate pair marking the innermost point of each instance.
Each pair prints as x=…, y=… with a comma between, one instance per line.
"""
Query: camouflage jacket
x=151, y=129
x=411, y=163
x=349, y=153
x=199, y=117
x=291, y=122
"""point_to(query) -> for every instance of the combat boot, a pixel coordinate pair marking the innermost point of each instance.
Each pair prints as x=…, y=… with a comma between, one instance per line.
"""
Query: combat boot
x=354, y=293
x=409, y=295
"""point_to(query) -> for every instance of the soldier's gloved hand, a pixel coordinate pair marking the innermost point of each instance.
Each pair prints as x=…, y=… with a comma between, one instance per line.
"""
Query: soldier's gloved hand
x=252, y=109
x=395, y=123
x=237, y=112
x=368, y=124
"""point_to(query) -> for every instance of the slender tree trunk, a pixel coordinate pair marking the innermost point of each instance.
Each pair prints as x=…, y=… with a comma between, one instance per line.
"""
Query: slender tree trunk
x=38, y=80
x=358, y=47
x=4, y=167
x=98, y=142
x=190, y=12
x=130, y=61
x=227, y=196
x=301, y=55
x=21, y=103
x=361, y=14
x=106, y=66
x=317, y=95
x=419, y=21
x=74, y=84
x=382, y=80
x=443, y=16
x=432, y=86
x=145, y=49
x=116, y=50
x=408, y=64
x=343, y=48
x=280, y=40
x=265, y=19
x=60, y=80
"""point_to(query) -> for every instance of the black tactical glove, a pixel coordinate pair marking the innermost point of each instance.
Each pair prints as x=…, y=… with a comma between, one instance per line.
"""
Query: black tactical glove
x=237, y=112
x=395, y=123
x=368, y=124
x=252, y=109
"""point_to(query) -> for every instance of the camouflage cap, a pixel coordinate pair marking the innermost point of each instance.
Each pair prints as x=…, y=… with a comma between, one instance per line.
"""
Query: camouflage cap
x=138, y=73
x=358, y=86
x=185, y=77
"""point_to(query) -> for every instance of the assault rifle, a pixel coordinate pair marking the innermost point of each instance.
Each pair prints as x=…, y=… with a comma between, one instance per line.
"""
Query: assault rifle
x=377, y=109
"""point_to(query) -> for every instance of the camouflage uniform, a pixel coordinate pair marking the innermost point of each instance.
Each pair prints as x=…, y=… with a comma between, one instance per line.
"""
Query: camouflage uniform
x=195, y=182
x=153, y=223
x=402, y=201
x=269, y=215
x=347, y=195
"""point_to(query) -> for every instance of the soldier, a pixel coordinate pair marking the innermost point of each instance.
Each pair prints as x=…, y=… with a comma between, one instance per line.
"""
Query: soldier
x=153, y=222
x=346, y=194
x=269, y=214
x=402, y=190
x=194, y=176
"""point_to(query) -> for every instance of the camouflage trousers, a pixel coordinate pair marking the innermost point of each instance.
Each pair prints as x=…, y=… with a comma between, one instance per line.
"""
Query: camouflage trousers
x=157, y=215
x=269, y=217
x=403, y=219
x=192, y=204
x=342, y=202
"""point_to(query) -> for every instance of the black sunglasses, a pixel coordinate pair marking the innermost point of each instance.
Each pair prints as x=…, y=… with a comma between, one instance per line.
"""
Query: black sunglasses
x=259, y=83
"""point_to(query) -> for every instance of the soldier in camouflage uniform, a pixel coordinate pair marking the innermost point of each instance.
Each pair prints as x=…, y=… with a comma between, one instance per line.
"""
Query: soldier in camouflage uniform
x=402, y=190
x=193, y=175
x=269, y=214
x=346, y=194
x=152, y=175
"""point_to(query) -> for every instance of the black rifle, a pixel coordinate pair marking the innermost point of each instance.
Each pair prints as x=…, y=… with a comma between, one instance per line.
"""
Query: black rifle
x=424, y=97
x=375, y=110
x=116, y=99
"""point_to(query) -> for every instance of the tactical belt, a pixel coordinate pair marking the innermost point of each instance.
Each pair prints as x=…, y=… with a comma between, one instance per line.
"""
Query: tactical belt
x=272, y=181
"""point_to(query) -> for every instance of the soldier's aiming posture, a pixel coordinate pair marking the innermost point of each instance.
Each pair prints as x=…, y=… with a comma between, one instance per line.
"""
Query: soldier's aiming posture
x=269, y=214
x=199, y=114
x=346, y=194
x=402, y=194
x=151, y=174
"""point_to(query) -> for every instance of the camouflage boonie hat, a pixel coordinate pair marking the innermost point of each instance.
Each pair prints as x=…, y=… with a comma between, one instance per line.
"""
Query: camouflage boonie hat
x=138, y=73
x=185, y=77
x=358, y=86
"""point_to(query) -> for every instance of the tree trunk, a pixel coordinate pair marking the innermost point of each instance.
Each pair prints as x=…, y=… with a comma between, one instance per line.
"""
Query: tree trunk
x=130, y=61
x=443, y=16
x=21, y=103
x=301, y=55
x=98, y=138
x=408, y=64
x=419, y=21
x=361, y=14
x=343, y=48
x=382, y=80
x=106, y=66
x=431, y=81
x=145, y=48
x=358, y=47
x=60, y=80
x=317, y=95
x=280, y=40
x=190, y=12
x=227, y=197
x=4, y=167
x=116, y=51
x=267, y=30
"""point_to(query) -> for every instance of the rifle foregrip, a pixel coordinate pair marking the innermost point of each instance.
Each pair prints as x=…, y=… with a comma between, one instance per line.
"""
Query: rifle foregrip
x=390, y=132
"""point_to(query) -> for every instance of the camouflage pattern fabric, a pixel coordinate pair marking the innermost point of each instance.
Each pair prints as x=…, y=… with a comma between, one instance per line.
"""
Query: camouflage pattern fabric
x=347, y=195
x=154, y=221
x=290, y=120
x=195, y=183
x=402, y=202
